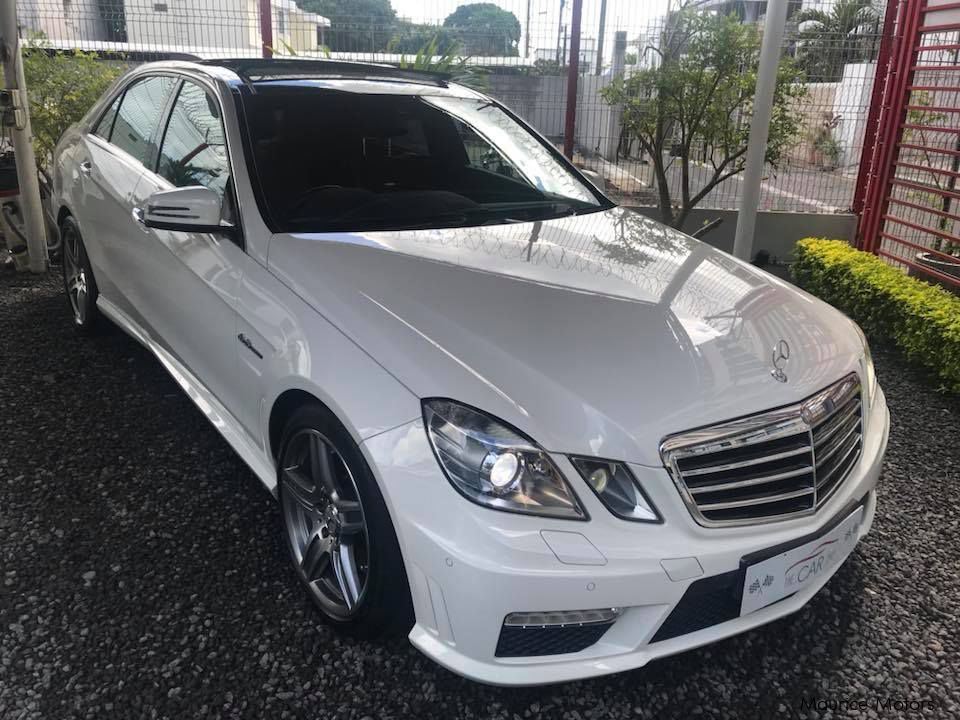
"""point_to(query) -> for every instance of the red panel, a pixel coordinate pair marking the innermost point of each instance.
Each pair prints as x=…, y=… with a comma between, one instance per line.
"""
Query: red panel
x=923, y=208
x=929, y=271
x=932, y=189
x=937, y=8
x=869, y=156
x=927, y=168
x=890, y=133
x=921, y=228
x=942, y=151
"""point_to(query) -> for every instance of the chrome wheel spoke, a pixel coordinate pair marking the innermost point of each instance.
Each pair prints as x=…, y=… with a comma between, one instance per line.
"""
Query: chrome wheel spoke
x=300, y=487
x=316, y=558
x=322, y=466
x=345, y=570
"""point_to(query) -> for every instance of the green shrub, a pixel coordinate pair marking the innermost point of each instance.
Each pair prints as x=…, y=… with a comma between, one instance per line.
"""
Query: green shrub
x=62, y=86
x=921, y=319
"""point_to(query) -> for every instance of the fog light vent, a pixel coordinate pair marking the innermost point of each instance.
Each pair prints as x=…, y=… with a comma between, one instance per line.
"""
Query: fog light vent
x=529, y=634
x=562, y=617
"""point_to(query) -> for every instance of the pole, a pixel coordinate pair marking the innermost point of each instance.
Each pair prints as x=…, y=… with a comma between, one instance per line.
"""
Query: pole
x=266, y=28
x=572, y=72
x=30, y=202
x=526, y=39
x=603, y=30
x=560, y=56
x=760, y=127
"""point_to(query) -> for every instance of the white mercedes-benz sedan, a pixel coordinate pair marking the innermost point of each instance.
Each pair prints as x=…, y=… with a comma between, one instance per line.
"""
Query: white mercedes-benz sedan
x=545, y=437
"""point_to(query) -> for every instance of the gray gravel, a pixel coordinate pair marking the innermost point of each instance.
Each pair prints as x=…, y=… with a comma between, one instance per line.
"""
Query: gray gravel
x=142, y=572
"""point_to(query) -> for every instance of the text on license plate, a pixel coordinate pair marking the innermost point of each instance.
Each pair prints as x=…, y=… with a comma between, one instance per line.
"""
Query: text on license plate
x=784, y=574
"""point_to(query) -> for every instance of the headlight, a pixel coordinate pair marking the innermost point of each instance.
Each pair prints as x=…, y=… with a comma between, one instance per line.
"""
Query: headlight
x=495, y=465
x=616, y=487
x=869, y=374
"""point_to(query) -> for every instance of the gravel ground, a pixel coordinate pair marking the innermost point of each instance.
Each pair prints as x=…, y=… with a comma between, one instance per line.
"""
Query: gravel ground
x=143, y=573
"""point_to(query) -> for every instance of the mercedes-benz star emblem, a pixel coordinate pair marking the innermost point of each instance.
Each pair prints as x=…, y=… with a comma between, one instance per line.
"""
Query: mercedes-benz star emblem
x=781, y=356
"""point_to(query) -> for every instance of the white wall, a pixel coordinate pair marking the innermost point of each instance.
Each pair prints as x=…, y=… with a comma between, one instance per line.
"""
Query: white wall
x=197, y=23
x=852, y=103
x=76, y=20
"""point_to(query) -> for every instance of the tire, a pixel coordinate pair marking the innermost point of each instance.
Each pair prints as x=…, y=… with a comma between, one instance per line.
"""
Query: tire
x=78, y=281
x=339, y=534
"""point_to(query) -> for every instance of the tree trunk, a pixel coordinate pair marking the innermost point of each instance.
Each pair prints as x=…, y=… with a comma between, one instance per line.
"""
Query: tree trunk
x=663, y=190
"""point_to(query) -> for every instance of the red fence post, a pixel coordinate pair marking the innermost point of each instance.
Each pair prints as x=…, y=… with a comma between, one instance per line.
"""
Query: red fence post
x=873, y=114
x=266, y=28
x=572, y=73
x=894, y=108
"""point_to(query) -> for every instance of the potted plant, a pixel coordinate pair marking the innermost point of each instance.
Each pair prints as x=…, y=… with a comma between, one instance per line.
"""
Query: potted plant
x=941, y=264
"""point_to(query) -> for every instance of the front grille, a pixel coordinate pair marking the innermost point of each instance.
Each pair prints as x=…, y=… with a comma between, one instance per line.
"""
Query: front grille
x=775, y=465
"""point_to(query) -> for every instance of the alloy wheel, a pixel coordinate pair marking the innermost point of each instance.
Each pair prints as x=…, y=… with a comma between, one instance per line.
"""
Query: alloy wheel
x=75, y=276
x=325, y=524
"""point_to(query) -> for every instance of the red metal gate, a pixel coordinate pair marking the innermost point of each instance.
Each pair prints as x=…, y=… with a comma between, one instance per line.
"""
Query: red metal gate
x=907, y=191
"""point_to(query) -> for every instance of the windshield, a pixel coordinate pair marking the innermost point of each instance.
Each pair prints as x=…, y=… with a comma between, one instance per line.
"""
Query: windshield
x=333, y=160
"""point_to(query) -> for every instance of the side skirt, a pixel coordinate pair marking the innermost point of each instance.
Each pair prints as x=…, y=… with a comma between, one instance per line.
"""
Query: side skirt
x=221, y=418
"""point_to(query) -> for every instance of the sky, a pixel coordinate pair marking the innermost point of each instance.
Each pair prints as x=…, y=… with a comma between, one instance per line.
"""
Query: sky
x=634, y=16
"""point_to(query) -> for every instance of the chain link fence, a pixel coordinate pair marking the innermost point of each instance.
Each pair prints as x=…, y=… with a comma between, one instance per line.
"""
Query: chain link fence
x=519, y=51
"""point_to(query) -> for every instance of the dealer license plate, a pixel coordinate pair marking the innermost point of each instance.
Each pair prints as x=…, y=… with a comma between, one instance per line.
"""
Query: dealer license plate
x=789, y=572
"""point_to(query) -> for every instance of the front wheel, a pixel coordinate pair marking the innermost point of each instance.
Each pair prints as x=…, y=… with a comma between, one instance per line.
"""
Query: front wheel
x=338, y=529
x=78, y=281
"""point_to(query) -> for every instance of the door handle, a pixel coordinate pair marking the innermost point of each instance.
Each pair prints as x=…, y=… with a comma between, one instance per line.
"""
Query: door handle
x=86, y=167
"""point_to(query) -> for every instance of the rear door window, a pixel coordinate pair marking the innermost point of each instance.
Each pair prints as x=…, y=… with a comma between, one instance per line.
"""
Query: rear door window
x=136, y=123
x=105, y=125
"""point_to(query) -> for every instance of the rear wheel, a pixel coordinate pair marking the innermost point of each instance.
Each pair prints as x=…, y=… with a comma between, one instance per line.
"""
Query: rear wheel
x=78, y=281
x=338, y=530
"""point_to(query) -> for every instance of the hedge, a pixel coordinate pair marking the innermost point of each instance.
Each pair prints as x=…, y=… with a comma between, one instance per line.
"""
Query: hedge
x=921, y=319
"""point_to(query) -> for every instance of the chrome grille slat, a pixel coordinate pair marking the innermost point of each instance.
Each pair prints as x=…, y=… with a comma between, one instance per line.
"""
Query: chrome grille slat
x=822, y=457
x=838, y=465
x=756, y=501
x=771, y=466
x=745, y=463
x=834, y=424
x=762, y=480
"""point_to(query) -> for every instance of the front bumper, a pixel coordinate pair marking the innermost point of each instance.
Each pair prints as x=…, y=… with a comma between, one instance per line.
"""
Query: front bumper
x=469, y=567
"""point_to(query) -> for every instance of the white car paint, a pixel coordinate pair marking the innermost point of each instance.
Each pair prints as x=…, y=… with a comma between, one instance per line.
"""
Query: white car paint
x=596, y=335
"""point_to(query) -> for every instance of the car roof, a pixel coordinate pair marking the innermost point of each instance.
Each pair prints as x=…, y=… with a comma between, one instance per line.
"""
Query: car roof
x=253, y=70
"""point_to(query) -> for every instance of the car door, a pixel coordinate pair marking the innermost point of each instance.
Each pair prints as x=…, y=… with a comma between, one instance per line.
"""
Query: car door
x=115, y=156
x=188, y=279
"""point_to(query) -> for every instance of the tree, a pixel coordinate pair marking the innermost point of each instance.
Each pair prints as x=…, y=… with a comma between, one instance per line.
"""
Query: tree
x=413, y=37
x=355, y=25
x=849, y=32
x=485, y=29
x=699, y=100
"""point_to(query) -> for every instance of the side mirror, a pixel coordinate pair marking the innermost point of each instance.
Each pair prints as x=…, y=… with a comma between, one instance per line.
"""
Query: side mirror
x=190, y=209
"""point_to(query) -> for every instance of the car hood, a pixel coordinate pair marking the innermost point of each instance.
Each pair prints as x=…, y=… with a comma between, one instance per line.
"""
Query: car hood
x=596, y=334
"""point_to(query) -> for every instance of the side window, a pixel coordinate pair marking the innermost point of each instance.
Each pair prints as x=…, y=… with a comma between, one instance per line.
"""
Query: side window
x=139, y=116
x=106, y=120
x=194, y=149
